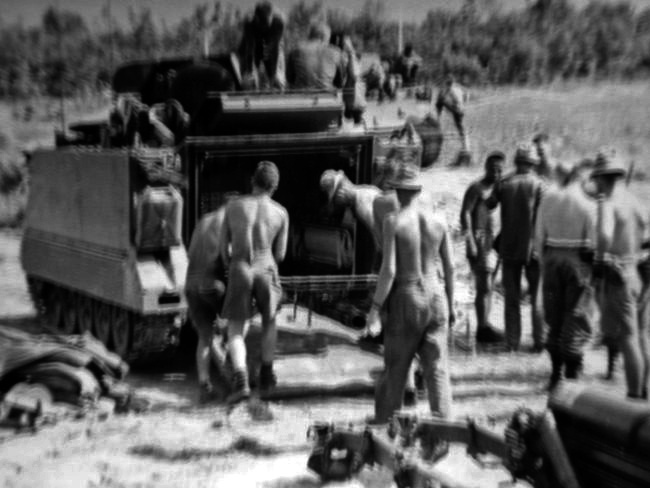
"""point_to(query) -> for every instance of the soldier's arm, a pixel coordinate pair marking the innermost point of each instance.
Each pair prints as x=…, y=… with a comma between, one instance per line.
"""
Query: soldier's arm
x=469, y=202
x=276, y=42
x=388, y=265
x=495, y=197
x=440, y=102
x=447, y=260
x=224, y=242
x=539, y=234
x=280, y=243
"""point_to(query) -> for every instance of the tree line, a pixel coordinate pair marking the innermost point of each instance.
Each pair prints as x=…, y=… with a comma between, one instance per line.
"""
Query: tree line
x=548, y=40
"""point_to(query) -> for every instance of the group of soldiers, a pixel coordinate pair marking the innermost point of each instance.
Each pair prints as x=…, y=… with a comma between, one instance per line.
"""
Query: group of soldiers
x=579, y=237
x=246, y=238
x=321, y=62
x=574, y=231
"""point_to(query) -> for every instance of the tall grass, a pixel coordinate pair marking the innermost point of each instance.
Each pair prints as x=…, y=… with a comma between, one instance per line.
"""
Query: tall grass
x=579, y=119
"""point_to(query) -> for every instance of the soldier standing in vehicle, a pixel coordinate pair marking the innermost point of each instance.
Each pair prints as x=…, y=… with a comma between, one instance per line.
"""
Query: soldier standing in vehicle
x=407, y=65
x=254, y=241
x=262, y=46
x=565, y=241
x=414, y=239
x=519, y=196
x=205, y=290
x=317, y=64
x=479, y=222
x=622, y=233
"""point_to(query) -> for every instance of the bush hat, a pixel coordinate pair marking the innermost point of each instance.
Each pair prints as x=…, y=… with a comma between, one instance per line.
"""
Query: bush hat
x=526, y=153
x=330, y=182
x=407, y=177
x=607, y=163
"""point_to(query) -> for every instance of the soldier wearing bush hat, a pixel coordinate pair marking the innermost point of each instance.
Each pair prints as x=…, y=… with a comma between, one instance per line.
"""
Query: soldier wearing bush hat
x=608, y=164
x=565, y=241
x=622, y=229
x=519, y=195
x=526, y=154
x=420, y=307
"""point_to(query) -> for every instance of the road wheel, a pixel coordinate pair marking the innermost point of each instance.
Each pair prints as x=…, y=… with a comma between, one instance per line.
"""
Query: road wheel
x=54, y=306
x=102, y=315
x=68, y=300
x=36, y=291
x=121, y=331
x=85, y=318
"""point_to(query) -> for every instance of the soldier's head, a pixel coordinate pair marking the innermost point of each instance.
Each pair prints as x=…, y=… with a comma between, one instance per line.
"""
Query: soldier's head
x=608, y=171
x=337, y=187
x=494, y=166
x=266, y=177
x=264, y=13
x=408, y=49
x=320, y=31
x=526, y=158
x=564, y=173
x=407, y=183
x=541, y=141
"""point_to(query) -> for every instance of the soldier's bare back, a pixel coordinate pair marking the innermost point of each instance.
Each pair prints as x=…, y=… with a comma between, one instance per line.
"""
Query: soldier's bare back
x=256, y=225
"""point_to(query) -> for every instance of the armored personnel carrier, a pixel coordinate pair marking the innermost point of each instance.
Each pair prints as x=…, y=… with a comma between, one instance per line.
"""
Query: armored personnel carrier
x=109, y=215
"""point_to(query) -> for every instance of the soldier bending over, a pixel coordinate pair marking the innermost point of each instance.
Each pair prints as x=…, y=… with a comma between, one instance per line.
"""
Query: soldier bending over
x=253, y=242
x=205, y=290
x=413, y=239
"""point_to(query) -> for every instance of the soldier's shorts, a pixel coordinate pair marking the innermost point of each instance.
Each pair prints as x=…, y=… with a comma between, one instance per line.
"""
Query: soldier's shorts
x=249, y=285
x=619, y=306
x=204, y=304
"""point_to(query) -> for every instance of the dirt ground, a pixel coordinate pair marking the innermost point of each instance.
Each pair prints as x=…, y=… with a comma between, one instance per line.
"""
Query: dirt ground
x=178, y=444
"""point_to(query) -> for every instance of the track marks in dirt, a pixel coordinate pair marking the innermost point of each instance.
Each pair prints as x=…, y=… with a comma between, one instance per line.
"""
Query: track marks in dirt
x=243, y=444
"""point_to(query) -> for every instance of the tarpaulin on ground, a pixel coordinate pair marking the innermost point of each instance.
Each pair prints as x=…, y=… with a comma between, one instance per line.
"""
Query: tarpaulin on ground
x=55, y=359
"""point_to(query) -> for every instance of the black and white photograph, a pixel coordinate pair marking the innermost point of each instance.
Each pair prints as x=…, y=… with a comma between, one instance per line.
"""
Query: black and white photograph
x=324, y=243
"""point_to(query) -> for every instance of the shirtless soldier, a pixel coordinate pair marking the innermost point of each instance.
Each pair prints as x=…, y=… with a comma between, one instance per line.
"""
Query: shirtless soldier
x=253, y=242
x=205, y=290
x=413, y=238
x=479, y=224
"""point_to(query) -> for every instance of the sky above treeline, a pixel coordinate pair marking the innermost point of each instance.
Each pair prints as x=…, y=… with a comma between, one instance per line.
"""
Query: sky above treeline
x=29, y=12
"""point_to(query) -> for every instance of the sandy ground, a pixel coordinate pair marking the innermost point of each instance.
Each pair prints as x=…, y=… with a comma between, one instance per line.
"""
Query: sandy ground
x=179, y=444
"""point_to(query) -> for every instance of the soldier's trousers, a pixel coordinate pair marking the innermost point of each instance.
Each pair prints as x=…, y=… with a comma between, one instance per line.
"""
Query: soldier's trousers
x=512, y=271
x=416, y=323
x=566, y=292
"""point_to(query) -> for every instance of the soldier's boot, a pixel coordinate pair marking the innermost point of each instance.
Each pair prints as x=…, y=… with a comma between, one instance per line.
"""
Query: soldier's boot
x=206, y=393
x=573, y=368
x=268, y=380
x=410, y=398
x=612, y=357
x=557, y=365
x=240, y=389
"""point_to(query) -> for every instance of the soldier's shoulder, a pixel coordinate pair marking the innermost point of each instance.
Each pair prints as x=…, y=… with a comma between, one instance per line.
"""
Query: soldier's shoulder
x=279, y=208
x=212, y=216
x=475, y=186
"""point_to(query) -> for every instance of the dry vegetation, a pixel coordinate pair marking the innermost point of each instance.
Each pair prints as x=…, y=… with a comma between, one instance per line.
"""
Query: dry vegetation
x=178, y=444
x=579, y=117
